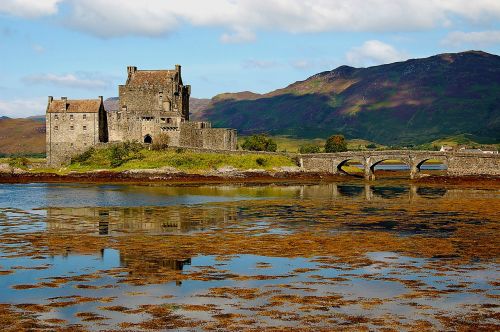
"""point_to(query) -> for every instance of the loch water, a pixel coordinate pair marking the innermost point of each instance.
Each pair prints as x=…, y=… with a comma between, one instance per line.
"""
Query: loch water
x=388, y=254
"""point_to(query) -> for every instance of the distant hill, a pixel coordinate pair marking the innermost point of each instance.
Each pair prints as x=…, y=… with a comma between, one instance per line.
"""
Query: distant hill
x=111, y=104
x=410, y=102
x=39, y=118
x=197, y=105
x=21, y=136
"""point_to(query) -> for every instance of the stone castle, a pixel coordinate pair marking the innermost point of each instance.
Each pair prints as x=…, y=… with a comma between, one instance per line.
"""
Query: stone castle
x=152, y=102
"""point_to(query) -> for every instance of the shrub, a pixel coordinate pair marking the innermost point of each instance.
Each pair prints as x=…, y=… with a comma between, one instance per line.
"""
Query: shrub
x=259, y=142
x=336, y=143
x=19, y=162
x=123, y=152
x=261, y=161
x=160, y=142
x=82, y=158
x=371, y=146
x=309, y=148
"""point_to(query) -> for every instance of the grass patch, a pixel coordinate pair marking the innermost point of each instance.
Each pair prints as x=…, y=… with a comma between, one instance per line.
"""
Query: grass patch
x=292, y=145
x=182, y=160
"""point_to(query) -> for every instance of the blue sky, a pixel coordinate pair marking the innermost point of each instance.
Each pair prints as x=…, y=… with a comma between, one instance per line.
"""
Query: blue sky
x=80, y=48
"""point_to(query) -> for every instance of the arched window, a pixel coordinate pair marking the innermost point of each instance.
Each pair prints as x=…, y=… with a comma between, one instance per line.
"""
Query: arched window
x=148, y=139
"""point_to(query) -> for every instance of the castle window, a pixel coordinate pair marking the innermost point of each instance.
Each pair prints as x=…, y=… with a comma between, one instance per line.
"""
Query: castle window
x=85, y=116
x=71, y=127
x=56, y=117
x=71, y=116
x=84, y=127
x=124, y=108
x=169, y=120
x=56, y=127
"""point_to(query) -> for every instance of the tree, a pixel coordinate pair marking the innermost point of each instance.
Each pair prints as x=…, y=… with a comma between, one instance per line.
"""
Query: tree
x=161, y=142
x=309, y=148
x=259, y=142
x=336, y=143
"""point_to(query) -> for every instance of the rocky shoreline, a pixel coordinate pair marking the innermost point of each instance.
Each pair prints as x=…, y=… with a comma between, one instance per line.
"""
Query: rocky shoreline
x=223, y=175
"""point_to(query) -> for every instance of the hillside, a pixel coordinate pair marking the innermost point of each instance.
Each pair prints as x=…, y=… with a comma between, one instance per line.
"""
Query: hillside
x=197, y=105
x=21, y=136
x=410, y=102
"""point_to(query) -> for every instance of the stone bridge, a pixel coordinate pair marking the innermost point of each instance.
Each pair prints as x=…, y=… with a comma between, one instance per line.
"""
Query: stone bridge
x=458, y=163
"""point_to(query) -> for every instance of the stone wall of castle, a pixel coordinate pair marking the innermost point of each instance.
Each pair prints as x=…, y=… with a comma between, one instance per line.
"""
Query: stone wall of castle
x=71, y=133
x=201, y=135
x=67, y=137
x=135, y=126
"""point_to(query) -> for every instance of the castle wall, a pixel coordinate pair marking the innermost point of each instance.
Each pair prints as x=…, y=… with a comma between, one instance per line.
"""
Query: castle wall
x=135, y=126
x=200, y=135
x=69, y=134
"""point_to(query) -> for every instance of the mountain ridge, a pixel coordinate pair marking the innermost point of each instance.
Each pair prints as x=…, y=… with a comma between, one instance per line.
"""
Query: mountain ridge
x=404, y=102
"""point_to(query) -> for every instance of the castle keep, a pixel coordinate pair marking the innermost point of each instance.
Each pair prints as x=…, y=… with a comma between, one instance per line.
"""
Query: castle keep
x=152, y=102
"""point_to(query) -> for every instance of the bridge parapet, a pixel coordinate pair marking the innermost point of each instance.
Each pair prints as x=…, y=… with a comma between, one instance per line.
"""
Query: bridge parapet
x=458, y=163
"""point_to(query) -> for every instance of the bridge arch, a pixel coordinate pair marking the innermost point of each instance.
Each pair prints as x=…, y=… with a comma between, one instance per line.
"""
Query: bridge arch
x=378, y=160
x=441, y=162
x=341, y=166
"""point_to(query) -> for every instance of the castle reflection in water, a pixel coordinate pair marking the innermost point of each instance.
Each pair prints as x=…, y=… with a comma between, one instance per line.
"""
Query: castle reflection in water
x=185, y=218
x=152, y=220
x=116, y=221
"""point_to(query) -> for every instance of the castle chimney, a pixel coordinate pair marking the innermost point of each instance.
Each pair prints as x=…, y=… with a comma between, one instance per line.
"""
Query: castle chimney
x=131, y=70
x=65, y=106
x=100, y=98
x=178, y=69
x=51, y=99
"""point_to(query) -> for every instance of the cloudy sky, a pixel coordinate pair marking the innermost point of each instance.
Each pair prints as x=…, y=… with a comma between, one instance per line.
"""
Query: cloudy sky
x=80, y=48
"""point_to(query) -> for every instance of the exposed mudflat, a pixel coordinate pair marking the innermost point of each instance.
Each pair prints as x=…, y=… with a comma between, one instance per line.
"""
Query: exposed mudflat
x=389, y=255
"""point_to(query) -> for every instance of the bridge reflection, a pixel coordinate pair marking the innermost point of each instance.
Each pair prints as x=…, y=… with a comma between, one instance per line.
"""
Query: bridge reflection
x=371, y=192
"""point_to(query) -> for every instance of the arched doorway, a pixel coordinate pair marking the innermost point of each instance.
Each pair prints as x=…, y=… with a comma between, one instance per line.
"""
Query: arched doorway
x=148, y=139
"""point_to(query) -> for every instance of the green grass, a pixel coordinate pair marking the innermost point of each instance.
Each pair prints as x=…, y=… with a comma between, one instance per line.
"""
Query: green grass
x=290, y=144
x=455, y=141
x=184, y=161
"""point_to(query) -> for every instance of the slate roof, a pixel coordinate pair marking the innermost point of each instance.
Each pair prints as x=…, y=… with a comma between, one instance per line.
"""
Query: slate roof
x=151, y=77
x=75, y=106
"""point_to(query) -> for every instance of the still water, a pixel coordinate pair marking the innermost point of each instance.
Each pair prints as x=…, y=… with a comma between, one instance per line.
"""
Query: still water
x=385, y=255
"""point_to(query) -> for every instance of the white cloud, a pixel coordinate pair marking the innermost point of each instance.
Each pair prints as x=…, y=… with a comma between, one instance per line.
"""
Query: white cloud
x=68, y=81
x=20, y=108
x=38, y=48
x=243, y=18
x=479, y=38
x=259, y=64
x=29, y=8
x=302, y=64
x=374, y=52
x=238, y=36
